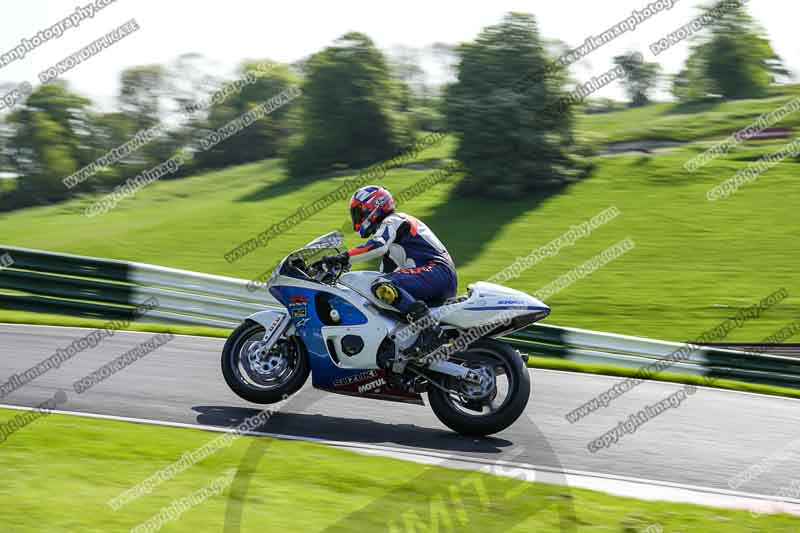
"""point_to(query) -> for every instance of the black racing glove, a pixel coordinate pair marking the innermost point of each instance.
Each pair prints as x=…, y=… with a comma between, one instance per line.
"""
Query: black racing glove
x=342, y=259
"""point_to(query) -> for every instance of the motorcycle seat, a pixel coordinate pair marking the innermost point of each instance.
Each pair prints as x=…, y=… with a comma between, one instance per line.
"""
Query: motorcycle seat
x=445, y=301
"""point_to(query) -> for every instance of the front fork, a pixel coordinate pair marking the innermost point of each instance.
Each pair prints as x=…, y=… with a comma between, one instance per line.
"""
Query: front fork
x=276, y=324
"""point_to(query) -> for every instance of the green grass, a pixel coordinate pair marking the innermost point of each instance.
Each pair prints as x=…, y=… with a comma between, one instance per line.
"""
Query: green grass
x=694, y=263
x=60, y=471
x=550, y=363
x=684, y=122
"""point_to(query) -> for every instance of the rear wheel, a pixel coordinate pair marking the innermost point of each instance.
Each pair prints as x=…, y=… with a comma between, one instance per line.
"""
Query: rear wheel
x=259, y=375
x=492, y=406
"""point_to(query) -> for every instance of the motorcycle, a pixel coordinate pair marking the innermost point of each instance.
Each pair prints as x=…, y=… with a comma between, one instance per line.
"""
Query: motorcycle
x=352, y=343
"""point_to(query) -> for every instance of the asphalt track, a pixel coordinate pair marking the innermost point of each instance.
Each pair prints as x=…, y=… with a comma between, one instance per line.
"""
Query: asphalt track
x=711, y=437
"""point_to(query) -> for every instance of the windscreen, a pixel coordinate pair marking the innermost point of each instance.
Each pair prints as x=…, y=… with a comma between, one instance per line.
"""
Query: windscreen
x=314, y=250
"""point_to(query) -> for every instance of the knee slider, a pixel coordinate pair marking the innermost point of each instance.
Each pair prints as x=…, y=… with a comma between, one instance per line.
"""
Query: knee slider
x=386, y=292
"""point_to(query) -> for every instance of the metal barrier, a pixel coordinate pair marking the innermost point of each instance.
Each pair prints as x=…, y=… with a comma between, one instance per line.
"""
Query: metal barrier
x=657, y=356
x=47, y=282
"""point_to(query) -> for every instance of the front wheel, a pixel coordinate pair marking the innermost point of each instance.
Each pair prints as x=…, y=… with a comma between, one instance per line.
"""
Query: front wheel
x=259, y=375
x=492, y=406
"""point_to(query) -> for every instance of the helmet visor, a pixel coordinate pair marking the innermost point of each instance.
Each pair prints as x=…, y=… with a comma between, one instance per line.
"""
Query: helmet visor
x=357, y=215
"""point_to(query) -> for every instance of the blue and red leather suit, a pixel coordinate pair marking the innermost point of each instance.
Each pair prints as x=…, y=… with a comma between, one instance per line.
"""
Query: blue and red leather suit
x=414, y=260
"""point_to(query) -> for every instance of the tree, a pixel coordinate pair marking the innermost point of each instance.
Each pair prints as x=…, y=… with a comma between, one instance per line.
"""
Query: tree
x=47, y=141
x=190, y=80
x=515, y=134
x=109, y=131
x=142, y=89
x=641, y=78
x=734, y=59
x=258, y=81
x=146, y=95
x=5, y=138
x=350, y=106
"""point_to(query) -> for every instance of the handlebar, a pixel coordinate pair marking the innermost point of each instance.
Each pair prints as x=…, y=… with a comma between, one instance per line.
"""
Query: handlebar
x=326, y=273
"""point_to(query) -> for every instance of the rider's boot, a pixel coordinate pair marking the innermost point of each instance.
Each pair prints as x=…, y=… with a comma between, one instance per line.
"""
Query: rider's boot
x=430, y=335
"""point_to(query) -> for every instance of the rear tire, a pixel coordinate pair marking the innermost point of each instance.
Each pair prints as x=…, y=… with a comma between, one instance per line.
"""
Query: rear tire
x=240, y=377
x=518, y=393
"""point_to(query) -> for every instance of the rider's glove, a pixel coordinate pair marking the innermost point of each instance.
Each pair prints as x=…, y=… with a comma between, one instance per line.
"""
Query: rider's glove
x=338, y=259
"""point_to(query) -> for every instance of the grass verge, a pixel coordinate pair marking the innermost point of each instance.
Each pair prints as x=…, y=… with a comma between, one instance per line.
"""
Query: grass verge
x=610, y=370
x=694, y=263
x=60, y=472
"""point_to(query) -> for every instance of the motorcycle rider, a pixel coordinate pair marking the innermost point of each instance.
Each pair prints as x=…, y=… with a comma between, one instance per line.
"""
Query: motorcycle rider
x=417, y=267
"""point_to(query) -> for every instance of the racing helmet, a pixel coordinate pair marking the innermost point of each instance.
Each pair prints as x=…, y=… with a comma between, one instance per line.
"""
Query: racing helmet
x=368, y=207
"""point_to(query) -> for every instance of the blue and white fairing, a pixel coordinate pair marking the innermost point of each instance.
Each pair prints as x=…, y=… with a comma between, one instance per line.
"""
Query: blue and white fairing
x=311, y=311
x=487, y=304
x=343, y=329
x=324, y=316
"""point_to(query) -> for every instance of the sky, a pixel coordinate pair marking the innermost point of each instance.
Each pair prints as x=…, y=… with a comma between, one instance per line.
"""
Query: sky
x=228, y=32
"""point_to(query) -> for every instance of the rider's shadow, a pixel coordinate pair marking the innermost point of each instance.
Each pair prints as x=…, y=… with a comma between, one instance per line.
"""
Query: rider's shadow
x=355, y=430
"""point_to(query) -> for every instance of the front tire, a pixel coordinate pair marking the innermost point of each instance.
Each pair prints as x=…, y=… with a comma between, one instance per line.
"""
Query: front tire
x=456, y=414
x=263, y=377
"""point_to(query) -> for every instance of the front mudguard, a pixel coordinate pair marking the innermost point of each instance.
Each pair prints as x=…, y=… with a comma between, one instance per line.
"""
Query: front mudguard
x=251, y=329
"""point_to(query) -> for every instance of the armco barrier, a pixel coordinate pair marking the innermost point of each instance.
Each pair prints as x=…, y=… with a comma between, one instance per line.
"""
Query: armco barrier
x=47, y=282
x=636, y=352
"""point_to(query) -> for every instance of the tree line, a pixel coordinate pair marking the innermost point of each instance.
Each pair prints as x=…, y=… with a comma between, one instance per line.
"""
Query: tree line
x=359, y=105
